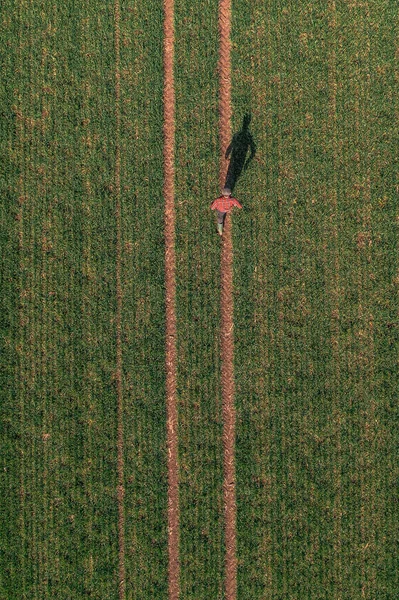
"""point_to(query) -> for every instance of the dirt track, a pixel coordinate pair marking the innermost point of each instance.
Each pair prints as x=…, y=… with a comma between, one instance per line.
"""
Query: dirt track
x=170, y=282
x=227, y=331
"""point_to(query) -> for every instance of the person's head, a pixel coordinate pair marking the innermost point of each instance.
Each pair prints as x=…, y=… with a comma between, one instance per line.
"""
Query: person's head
x=226, y=192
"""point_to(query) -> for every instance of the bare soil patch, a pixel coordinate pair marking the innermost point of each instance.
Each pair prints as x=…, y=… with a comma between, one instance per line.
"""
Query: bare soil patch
x=170, y=283
x=227, y=325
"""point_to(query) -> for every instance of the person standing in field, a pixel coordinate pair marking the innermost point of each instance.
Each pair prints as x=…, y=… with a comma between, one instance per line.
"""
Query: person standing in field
x=223, y=205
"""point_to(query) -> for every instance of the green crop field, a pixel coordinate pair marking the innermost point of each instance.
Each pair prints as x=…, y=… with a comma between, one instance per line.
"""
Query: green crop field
x=316, y=300
x=59, y=526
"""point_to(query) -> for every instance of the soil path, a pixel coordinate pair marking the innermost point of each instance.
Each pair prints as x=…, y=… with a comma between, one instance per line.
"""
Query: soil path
x=227, y=331
x=170, y=283
x=121, y=489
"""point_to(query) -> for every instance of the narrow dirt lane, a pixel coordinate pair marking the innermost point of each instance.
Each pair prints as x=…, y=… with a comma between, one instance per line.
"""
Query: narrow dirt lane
x=227, y=331
x=121, y=489
x=227, y=351
x=170, y=282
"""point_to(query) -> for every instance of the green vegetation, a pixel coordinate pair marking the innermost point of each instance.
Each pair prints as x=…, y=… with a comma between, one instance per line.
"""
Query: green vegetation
x=60, y=522
x=316, y=303
x=9, y=273
x=198, y=298
x=143, y=301
x=316, y=300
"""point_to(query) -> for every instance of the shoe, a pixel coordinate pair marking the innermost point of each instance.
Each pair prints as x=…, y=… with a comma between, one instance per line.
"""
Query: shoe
x=220, y=229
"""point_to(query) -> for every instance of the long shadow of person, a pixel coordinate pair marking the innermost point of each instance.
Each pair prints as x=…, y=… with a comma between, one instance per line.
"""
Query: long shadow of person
x=238, y=148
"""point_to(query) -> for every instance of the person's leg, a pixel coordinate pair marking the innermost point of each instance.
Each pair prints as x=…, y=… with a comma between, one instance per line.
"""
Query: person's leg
x=221, y=216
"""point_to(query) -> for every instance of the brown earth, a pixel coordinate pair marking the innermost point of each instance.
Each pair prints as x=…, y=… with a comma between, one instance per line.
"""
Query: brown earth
x=227, y=329
x=170, y=282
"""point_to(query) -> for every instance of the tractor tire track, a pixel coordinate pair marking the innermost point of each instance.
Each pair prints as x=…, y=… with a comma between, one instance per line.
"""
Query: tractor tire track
x=170, y=284
x=227, y=313
x=121, y=489
x=225, y=110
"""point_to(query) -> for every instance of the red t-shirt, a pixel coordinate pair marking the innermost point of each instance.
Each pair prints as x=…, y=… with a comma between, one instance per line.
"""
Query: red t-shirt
x=224, y=204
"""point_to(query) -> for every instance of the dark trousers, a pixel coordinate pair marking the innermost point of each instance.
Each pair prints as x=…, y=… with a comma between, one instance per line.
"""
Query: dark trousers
x=221, y=216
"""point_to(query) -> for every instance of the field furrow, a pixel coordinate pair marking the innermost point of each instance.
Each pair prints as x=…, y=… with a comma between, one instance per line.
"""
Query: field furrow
x=227, y=310
x=170, y=301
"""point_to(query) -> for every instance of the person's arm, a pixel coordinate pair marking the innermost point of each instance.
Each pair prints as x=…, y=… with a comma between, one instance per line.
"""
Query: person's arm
x=236, y=203
x=213, y=204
